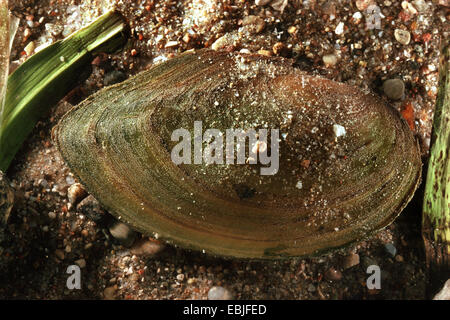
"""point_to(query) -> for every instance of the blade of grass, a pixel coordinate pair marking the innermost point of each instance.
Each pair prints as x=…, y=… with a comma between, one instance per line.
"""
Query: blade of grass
x=4, y=51
x=436, y=205
x=49, y=75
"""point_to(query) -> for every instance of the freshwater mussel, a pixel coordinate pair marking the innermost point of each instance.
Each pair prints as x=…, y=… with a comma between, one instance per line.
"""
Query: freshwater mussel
x=330, y=165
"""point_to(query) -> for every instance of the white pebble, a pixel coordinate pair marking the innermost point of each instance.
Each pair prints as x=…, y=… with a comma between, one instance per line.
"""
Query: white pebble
x=339, y=28
x=339, y=130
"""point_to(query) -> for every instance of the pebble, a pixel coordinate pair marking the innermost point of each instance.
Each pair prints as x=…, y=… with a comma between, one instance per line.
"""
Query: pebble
x=391, y=249
x=253, y=24
x=109, y=293
x=219, y=293
x=329, y=8
x=222, y=42
x=339, y=28
x=311, y=288
x=180, y=277
x=420, y=5
x=394, y=88
x=262, y=2
x=27, y=33
x=264, y=52
x=407, y=6
x=76, y=193
x=363, y=4
x=333, y=274
x=280, y=49
x=81, y=263
x=59, y=254
x=402, y=36
x=123, y=233
x=70, y=180
x=146, y=247
x=113, y=77
x=29, y=48
x=279, y=5
x=444, y=294
x=91, y=208
x=329, y=59
x=350, y=260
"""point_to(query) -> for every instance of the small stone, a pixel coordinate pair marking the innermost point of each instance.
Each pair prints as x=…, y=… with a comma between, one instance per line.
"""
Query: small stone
x=264, y=52
x=339, y=130
x=171, y=44
x=146, y=247
x=391, y=249
x=444, y=294
x=76, y=193
x=402, y=36
x=363, y=4
x=54, y=29
x=123, y=233
x=68, y=249
x=399, y=258
x=292, y=29
x=180, y=277
x=29, y=48
x=222, y=42
x=109, y=293
x=70, y=180
x=339, y=28
x=394, y=89
x=407, y=6
x=329, y=59
x=333, y=274
x=253, y=24
x=219, y=293
x=91, y=208
x=81, y=263
x=311, y=288
x=420, y=5
x=59, y=254
x=27, y=33
x=262, y=2
x=329, y=8
x=113, y=77
x=279, y=5
x=350, y=261
x=280, y=49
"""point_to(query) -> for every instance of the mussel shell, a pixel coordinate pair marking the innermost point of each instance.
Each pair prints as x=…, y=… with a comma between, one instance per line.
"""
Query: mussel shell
x=118, y=143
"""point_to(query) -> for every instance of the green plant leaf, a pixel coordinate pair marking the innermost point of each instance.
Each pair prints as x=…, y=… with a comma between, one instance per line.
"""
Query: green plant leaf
x=49, y=75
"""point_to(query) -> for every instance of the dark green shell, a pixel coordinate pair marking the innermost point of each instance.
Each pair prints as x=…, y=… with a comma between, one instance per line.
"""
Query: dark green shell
x=331, y=188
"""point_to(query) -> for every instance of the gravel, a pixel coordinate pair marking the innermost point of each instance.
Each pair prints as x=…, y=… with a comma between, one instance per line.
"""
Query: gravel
x=219, y=293
x=394, y=89
x=34, y=260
